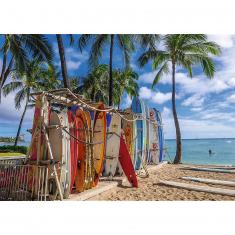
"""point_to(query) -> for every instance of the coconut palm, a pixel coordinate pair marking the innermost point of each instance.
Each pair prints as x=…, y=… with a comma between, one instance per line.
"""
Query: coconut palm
x=184, y=51
x=125, y=80
x=95, y=84
x=63, y=61
x=36, y=77
x=99, y=43
x=17, y=49
x=146, y=41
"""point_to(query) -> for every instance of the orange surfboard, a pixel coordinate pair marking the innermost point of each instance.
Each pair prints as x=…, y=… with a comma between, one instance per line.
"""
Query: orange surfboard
x=80, y=125
x=99, y=140
x=89, y=153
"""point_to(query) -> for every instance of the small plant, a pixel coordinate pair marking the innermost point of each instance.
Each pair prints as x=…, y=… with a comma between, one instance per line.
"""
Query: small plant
x=10, y=148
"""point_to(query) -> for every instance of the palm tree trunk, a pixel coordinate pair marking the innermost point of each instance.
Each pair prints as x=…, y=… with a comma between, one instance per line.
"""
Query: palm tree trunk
x=21, y=120
x=63, y=61
x=178, y=154
x=111, y=71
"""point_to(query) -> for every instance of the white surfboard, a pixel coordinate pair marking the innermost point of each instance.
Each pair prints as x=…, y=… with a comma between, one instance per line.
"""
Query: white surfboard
x=113, y=145
x=66, y=154
x=55, y=138
x=153, y=137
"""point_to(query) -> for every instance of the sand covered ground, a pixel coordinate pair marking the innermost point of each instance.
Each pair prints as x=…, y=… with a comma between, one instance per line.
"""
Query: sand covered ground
x=150, y=189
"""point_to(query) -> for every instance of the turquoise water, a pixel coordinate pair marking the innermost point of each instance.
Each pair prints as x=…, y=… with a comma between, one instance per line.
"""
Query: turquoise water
x=196, y=151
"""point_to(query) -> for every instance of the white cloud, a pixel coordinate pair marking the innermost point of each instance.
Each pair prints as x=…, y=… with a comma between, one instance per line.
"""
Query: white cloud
x=195, y=101
x=231, y=98
x=145, y=93
x=147, y=77
x=126, y=102
x=196, y=128
x=154, y=96
x=9, y=114
x=197, y=109
x=73, y=65
x=74, y=57
x=225, y=41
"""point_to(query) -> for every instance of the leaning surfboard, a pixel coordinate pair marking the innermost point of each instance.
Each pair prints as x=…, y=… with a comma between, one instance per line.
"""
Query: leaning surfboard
x=65, y=170
x=81, y=127
x=126, y=163
x=128, y=128
x=36, y=130
x=113, y=144
x=139, y=142
x=160, y=134
x=147, y=121
x=55, y=138
x=73, y=160
x=154, y=146
x=99, y=142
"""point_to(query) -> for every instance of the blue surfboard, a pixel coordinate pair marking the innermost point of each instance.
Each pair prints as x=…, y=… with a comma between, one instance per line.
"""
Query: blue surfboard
x=139, y=142
x=160, y=134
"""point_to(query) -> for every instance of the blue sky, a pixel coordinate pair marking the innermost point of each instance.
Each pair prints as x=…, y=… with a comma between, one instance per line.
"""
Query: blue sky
x=205, y=107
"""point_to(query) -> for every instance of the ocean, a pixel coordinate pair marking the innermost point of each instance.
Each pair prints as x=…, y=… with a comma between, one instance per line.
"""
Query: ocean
x=196, y=151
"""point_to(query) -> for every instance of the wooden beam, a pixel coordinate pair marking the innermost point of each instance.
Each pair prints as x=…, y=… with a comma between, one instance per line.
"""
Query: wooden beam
x=209, y=181
x=210, y=170
x=221, y=191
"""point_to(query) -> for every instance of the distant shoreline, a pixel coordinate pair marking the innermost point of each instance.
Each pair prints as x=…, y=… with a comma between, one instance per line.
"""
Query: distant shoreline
x=233, y=138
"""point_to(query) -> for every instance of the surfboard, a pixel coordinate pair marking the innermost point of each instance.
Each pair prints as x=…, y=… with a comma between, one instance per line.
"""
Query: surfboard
x=154, y=148
x=89, y=153
x=160, y=134
x=147, y=120
x=73, y=167
x=35, y=133
x=55, y=138
x=128, y=128
x=81, y=128
x=99, y=140
x=46, y=116
x=139, y=142
x=144, y=153
x=126, y=163
x=112, y=146
x=66, y=165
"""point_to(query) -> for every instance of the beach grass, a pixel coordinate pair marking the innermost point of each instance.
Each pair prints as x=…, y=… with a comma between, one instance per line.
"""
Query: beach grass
x=10, y=154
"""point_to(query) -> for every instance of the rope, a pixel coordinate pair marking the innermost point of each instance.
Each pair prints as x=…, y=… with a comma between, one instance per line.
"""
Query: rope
x=84, y=142
x=91, y=107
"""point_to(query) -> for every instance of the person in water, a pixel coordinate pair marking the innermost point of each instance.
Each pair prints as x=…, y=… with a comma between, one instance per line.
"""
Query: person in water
x=210, y=152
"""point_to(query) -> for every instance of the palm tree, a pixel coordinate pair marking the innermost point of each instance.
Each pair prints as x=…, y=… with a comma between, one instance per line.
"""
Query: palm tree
x=125, y=43
x=125, y=81
x=63, y=60
x=95, y=84
x=37, y=76
x=18, y=49
x=185, y=51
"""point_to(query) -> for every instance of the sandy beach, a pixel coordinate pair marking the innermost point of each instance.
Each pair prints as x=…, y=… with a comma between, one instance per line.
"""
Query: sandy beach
x=150, y=190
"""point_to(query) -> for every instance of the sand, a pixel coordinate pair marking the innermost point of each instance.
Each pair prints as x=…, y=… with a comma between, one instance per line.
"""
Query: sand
x=148, y=191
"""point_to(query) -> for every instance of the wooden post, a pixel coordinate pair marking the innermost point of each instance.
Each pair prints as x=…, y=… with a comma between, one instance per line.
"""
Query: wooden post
x=54, y=168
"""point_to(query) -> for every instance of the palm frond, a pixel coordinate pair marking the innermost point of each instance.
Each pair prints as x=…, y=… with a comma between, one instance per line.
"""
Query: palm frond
x=19, y=97
x=11, y=87
x=83, y=41
x=163, y=70
x=97, y=48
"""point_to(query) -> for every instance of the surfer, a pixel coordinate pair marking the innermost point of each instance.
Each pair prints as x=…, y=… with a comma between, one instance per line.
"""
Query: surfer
x=210, y=152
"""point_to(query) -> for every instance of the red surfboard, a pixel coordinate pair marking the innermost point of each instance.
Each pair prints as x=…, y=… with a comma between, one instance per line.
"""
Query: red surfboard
x=126, y=163
x=72, y=149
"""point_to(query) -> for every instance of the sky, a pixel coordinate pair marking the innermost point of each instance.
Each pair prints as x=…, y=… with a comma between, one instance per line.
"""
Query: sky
x=205, y=107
